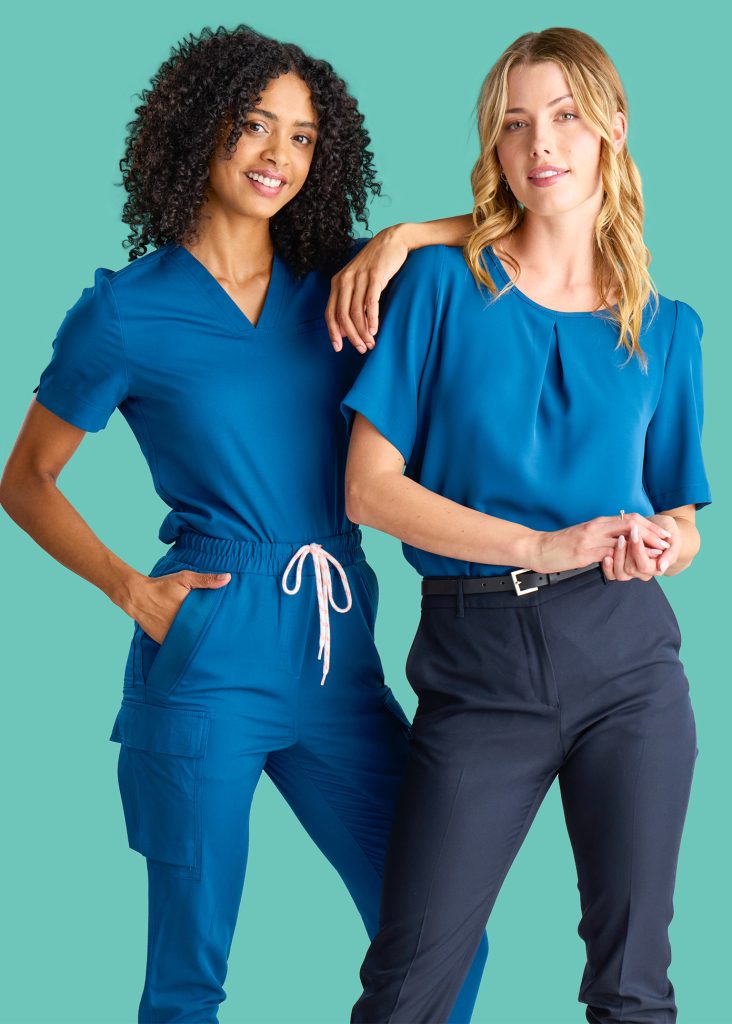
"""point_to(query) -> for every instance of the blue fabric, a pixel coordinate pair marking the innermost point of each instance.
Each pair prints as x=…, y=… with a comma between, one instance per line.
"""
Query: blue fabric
x=526, y=413
x=239, y=424
x=233, y=691
x=242, y=432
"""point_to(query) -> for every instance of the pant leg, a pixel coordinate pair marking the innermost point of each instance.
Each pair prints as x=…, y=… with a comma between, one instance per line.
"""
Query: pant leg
x=484, y=750
x=348, y=810
x=343, y=776
x=194, y=887
x=625, y=789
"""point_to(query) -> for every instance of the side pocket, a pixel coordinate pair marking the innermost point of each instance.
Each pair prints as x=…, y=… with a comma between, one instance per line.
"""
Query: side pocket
x=159, y=772
x=668, y=614
x=143, y=648
x=182, y=640
x=132, y=667
x=409, y=667
x=372, y=583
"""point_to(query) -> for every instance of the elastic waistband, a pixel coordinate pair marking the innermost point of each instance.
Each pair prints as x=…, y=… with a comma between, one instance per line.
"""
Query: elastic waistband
x=218, y=554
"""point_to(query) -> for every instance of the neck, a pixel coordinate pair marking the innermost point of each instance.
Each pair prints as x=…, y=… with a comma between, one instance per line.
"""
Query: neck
x=232, y=246
x=561, y=249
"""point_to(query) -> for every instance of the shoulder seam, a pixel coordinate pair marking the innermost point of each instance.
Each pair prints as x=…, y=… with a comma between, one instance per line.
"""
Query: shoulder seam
x=125, y=360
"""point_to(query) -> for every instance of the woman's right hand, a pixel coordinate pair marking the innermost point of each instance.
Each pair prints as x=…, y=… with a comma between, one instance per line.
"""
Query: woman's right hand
x=156, y=600
x=591, y=541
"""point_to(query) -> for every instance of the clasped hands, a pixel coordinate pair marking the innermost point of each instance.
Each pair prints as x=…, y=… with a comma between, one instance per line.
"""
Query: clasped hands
x=638, y=555
x=628, y=547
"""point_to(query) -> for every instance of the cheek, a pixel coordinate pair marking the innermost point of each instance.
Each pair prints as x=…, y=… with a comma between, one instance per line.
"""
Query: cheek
x=301, y=163
x=584, y=151
x=217, y=175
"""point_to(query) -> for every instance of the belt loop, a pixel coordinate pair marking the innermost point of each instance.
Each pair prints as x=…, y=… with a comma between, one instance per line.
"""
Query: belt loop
x=460, y=612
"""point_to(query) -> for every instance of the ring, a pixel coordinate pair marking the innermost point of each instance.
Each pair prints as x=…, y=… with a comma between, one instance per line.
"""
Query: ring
x=622, y=514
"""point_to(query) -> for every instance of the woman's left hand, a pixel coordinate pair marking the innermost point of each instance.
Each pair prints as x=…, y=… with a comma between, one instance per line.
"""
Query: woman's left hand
x=633, y=560
x=353, y=306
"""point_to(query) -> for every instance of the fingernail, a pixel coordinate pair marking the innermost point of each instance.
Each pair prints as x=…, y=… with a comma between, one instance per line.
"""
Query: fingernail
x=621, y=541
x=664, y=544
x=361, y=349
x=663, y=565
x=665, y=533
x=634, y=533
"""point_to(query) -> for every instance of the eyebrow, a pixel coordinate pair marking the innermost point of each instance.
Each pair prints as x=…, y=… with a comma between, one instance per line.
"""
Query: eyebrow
x=274, y=117
x=521, y=110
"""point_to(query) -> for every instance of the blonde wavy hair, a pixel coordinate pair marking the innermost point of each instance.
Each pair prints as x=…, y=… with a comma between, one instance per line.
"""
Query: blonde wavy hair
x=621, y=257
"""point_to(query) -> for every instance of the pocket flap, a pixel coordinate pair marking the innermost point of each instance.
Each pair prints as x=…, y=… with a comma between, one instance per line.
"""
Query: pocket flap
x=162, y=730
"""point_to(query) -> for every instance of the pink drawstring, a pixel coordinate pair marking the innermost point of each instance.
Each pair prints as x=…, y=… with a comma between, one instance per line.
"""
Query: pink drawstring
x=324, y=587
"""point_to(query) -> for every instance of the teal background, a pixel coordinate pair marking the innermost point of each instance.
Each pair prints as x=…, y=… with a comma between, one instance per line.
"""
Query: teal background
x=74, y=899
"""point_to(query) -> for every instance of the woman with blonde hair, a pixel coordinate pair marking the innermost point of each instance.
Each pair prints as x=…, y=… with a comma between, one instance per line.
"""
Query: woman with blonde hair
x=547, y=404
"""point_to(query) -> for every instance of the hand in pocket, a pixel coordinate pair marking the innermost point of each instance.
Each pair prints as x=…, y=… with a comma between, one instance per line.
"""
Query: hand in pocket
x=157, y=601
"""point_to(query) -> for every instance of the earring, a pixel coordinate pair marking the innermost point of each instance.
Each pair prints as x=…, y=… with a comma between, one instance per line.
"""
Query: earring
x=504, y=179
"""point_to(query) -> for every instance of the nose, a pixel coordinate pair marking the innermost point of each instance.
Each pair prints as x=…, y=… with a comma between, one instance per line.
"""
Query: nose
x=541, y=141
x=274, y=151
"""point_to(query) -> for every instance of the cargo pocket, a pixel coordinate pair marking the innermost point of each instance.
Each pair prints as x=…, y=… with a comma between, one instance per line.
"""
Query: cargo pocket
x=159, y=772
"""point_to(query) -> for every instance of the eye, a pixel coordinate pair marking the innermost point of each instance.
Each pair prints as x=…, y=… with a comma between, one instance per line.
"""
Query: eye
x=513, y=125
x=306, y=140
x=251, y=125
x=567, y=114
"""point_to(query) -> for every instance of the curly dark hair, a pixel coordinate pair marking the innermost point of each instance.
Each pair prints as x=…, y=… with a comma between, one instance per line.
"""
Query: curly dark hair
x=213, y=80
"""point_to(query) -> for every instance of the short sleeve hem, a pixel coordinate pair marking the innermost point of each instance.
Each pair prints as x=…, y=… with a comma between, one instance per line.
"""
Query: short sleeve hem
x=68, y=406
x=379, y=420
x=692, y=494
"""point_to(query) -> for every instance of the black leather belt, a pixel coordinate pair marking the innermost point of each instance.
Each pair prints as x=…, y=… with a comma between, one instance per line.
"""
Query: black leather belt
x=520, y=581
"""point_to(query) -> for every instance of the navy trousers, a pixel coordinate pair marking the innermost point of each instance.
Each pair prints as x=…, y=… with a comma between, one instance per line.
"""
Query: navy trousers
x=580, y=681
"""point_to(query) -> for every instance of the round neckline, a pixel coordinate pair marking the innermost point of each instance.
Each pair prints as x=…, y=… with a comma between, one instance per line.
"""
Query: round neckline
x=544, y=309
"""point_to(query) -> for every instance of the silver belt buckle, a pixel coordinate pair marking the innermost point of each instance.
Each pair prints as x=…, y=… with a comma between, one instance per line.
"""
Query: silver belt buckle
x=517, y=583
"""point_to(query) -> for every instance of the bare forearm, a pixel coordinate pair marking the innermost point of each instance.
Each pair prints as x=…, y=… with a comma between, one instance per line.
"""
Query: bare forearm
x=447, y=231
x=39, y=508
x=690, y=544
x=405, y=509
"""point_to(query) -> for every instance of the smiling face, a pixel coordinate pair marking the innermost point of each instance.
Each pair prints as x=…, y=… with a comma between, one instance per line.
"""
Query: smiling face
x=549, y=153
x=272, y=157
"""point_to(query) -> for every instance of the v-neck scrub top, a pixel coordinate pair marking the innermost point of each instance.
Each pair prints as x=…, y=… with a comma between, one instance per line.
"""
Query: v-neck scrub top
x=240, y=425
x=527, y=413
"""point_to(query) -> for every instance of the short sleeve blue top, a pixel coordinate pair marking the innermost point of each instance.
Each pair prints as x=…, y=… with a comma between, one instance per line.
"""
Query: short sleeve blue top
x=527, y=413
x=240, y=425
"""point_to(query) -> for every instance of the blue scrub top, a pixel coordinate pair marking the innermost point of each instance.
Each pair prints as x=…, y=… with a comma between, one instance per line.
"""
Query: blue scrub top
x=527, y=413
x=240, y=425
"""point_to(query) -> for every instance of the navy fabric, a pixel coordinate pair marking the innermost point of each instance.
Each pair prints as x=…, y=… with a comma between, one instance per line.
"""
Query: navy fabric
x=526, y=413
x=582, y=682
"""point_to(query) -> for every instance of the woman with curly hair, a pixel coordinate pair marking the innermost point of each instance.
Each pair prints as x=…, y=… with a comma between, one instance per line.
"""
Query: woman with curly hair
x=546, y=647
x=244, y=167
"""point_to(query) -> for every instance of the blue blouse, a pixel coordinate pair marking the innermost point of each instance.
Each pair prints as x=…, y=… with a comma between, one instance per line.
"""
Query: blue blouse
x=240, y=424
x=527, y=413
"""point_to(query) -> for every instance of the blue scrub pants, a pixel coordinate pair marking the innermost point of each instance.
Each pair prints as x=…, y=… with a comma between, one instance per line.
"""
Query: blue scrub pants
x=580, y=681
x=234, y=690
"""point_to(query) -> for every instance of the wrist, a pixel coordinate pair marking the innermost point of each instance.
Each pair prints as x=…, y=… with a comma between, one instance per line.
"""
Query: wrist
x=407, y=233
x=124, y=588
x=526, y=549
